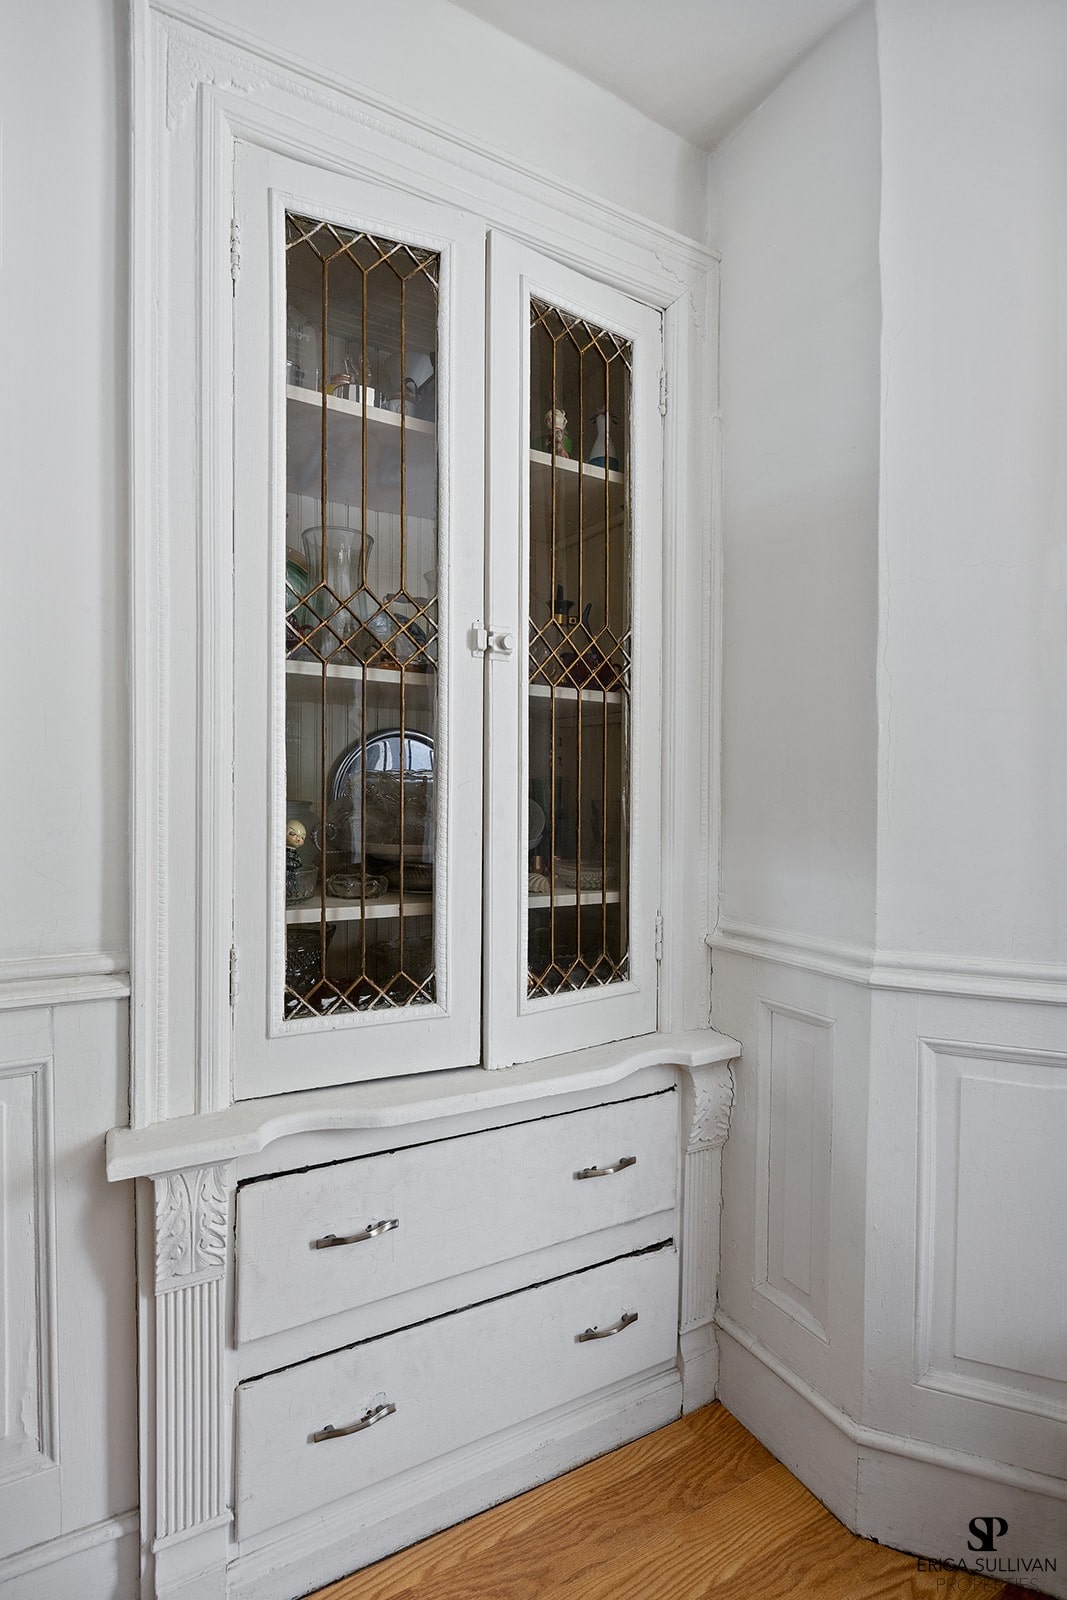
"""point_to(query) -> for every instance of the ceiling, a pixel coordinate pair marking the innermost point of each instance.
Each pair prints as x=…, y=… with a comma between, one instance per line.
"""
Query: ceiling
x=695, y=66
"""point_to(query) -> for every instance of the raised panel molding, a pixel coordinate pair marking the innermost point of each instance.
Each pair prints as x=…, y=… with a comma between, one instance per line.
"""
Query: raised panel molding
x=793, y=1216
x=27, y=1267
x=29, y=1377
x=992, y=1320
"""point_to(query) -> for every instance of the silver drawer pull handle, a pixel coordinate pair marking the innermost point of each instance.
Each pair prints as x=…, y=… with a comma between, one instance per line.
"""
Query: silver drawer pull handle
x=379, y=1414
x=603, y=1172
x=627, y=1320
x=330, y=1241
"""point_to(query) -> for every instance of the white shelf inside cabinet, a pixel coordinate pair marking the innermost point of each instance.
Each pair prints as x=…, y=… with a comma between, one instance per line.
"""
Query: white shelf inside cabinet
x=583, y=469
x=338, y=910
x=597, y=697
x=571, y=897
x=304, y=679
x=346, y=425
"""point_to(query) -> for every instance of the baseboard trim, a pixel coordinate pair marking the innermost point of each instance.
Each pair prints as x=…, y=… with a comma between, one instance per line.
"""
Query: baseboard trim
x=34, y=981
x=892, y=1444
x=67, y=1545
x=913, y=971
x=363, y=1530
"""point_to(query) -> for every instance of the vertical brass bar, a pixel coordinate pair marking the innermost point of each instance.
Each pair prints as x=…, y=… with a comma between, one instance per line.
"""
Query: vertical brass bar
x=576, y=669
x=607, y=625
x=403, y=540
x=604, y=825
x=323, y=568
x=553, y=535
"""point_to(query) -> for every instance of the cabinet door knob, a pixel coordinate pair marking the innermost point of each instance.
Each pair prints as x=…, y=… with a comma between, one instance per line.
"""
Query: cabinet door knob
x=627, y=1320
x=367, y=1420
x=604, y=1172
x=330, y=1241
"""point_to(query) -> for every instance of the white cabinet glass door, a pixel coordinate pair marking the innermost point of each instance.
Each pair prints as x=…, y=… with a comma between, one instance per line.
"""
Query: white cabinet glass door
x=575, y=448
x=358, y=405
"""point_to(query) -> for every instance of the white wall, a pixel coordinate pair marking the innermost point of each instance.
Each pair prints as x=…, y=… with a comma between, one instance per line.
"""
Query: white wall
x=972, y=842
x=68, y=1442
x=450, y=68
x=794, y=202
x=63, y=774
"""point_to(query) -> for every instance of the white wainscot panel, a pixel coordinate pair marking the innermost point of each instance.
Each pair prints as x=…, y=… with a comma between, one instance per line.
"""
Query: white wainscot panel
x=29, y=1486
x=795, y=1149
x=993, y=1225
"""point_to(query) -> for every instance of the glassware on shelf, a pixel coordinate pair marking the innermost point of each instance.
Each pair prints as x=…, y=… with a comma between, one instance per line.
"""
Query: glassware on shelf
x=305, y=970
x=337, y=597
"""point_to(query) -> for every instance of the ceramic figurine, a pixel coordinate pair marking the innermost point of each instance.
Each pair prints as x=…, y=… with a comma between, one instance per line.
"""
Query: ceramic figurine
x=295, y=835
x=602, y=454
x=557, y=440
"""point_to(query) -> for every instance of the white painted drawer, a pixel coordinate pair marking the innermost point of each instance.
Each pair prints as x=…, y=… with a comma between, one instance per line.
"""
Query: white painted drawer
x=458, y=1203
x=453, y=1381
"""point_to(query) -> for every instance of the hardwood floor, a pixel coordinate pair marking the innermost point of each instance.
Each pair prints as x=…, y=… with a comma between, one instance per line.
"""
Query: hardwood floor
x=699, y=1509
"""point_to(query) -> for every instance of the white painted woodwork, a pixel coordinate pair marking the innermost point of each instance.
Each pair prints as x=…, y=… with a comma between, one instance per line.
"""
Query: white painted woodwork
x=29, y=1379
x=192, y=1228
x=452, y=1381
x=518, y=1028
x=795, y=1154
x=458, y=1206
x=251, y=1127
x=67, y=1327
x=991, y=1316
x=708, y=1096
x=188, y=845
x=1015, y=1129
x=271, y=1055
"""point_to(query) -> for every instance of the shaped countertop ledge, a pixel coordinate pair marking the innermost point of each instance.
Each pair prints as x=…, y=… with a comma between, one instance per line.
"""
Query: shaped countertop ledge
x=250, y=1125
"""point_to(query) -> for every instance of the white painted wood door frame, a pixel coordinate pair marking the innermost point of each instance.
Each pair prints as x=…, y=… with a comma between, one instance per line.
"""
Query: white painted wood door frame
x=516, y=1028
x=272, y=1056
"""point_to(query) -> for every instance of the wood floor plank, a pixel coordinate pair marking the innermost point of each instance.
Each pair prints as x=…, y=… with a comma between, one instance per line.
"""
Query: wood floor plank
x=573, y=1523
x=696, y=1511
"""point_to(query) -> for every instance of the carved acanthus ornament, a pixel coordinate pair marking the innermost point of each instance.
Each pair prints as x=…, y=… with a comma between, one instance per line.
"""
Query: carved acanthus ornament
x=710, y=1094
x=191, y=1226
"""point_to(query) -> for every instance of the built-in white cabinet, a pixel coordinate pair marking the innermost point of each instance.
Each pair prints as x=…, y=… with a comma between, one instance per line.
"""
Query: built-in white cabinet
x=436, y=710
x=423, y=467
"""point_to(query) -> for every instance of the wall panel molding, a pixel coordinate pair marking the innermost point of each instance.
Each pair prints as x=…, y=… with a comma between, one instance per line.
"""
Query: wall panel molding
x=67, y=1545
x=913, y=971
x=796, y=1051
x=35, y=981
x=29, y=1356
x=990, y=1320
